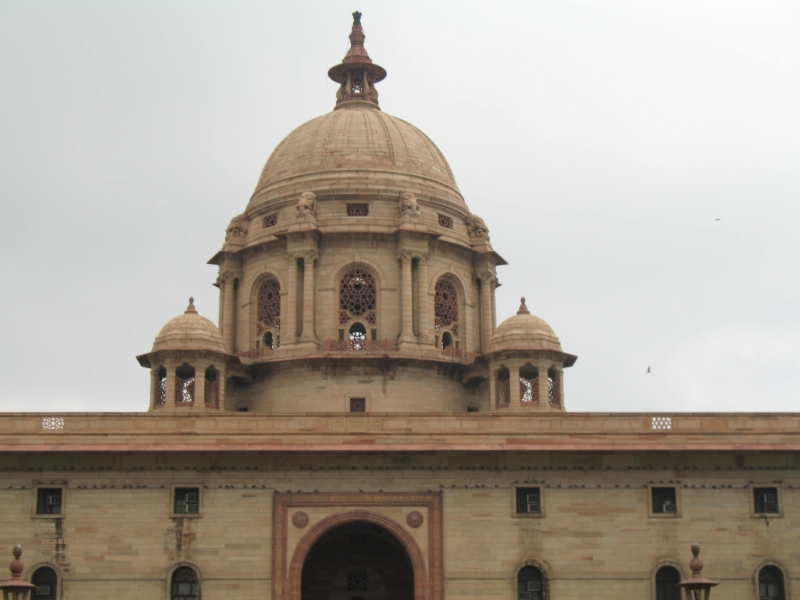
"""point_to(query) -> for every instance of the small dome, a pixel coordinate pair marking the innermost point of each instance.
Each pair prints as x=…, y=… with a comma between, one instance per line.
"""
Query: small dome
x=189, y=331
x=524, y=331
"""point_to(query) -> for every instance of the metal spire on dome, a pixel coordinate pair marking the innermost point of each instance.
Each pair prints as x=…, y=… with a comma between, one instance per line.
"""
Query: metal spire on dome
x=357, y=74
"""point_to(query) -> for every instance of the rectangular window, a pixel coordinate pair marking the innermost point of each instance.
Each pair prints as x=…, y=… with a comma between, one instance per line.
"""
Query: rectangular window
x=358, y=210
x=187, y=501
x=445, y=221
x=665, y=500
x=529, y=501
x=358, y=405
x=269, y=221
x=765, y=500
x=48, y=501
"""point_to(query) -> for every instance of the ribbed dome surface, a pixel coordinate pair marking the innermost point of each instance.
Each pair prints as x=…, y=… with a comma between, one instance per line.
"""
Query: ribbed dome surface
x=189, y=330
x=524, y=331
x=345, y=148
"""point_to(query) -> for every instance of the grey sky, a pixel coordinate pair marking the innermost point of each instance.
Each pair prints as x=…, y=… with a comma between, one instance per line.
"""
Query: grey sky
x=600, y=141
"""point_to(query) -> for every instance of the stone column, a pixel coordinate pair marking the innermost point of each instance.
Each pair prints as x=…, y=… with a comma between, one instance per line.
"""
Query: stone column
x=228, y=309
x=515, y=396
x=289, y=323
x=153, y=384
x=308, y=296
x=422, y=300
x=544, y=387
x=494, y=305
x=492, y=387
x=199, y=384
x=487, y=286
x=169, y=404
x=407, y=331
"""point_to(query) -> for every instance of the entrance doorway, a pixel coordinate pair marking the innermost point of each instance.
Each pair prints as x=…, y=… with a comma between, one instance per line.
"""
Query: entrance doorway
x=357, y=561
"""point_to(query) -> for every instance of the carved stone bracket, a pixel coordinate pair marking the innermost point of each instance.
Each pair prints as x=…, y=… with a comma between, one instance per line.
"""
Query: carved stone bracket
x=306, y=206
x=408, y=205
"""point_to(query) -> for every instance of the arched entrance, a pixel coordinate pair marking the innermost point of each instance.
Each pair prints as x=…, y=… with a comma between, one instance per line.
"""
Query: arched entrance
x=357, y=561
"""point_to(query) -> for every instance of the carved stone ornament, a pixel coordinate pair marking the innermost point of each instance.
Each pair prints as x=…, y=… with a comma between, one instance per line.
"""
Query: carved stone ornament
x=300, y=519
x=307, y=205
x=408, y=205
x=237, y=227
x=414, y=519
x=477, y=228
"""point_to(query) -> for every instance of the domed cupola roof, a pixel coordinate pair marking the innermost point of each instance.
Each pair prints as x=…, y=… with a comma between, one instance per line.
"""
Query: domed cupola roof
x=524, y=331
x=189, y=331
x=356, y=148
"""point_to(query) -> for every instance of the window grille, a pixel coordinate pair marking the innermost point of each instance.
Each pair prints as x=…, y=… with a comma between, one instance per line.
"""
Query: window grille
x=358, y=337
x=358, y=405
x=357, y=581
x=269, y=306
x=357, y=297
x=185, y=584
x=529, y=386
x=184, y=384
x=770, y=584
x=46, y=581
x=529, y=501
x=52, y=423
x=664, y=500
x=211, y=394
x=530, y=584
x=358, y=210
x=553, y=387
x=503, y=388
x=269, y=221
x=48, y=501
x=187, y=501
x=661, y=423
x=445, y=221
x=766, y=500
x=667, y=578
x=161, y=387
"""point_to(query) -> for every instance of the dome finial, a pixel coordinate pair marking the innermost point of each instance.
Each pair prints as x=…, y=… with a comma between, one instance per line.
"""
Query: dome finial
x=190, y=310
x=523, y=310
x=357, y=74
x=16, y=567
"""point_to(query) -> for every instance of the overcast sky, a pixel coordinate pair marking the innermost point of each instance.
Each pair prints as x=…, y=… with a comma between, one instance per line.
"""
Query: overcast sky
x=638, y=164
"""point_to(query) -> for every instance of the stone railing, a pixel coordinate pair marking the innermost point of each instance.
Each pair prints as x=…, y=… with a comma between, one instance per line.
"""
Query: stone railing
x=357, y=346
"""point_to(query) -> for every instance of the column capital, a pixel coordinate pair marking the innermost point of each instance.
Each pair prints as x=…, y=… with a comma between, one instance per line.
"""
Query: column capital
x=406, y=256
x=487, y=277
x=227, y=277
x=306, y=255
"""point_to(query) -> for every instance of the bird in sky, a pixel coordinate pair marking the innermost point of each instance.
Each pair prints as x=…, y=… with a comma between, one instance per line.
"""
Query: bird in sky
x=718, y=219
x=648, y=370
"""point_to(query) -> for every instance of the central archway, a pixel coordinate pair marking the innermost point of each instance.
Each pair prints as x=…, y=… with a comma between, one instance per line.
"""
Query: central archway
x=357, y=561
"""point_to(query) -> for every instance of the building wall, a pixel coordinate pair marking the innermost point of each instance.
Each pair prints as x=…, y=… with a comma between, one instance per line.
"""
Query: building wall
x=117, y=537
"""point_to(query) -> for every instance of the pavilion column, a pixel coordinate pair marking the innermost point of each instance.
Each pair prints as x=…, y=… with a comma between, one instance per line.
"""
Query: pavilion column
x=544, y=386
x=487, y=286
x=515, y=396
x=199, y=384
x=289, y=322
x=407, y=332
x=422, y=300
x=308, y=296
x=228, y=298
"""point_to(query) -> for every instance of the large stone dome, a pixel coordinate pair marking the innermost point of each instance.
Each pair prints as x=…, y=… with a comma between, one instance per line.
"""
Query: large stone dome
x=357, y=149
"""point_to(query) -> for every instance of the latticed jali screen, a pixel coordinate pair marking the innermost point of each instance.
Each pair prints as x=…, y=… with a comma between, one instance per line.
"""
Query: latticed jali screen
x=553, y=391
x=503, y=388
x=445, y=221
x=212, y=393
x=445, y=306
x=358, y=210
x=357, y=297
x=269, y=221
x=529, y=389
x=161, y=391
x=269, y=306
x=184, y=390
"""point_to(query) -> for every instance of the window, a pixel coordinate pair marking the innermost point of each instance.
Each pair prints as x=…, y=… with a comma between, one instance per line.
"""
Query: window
x=503, y=388
x=770, y=584
x=553, y=387
x=667, y=578
x=357, y=297
x=269, y=221
x=765, y=500
x=187, y=501
x=49, y=500
x=161, y=387
x=358, y=337
x=46, y=581
x=530, y=584
x=664, y=500
x=445, y=221
x=445, y=312
x=529, y=501
x=358, y=210
x=358, y=405
x=269, y=311
x=211, y=392
x=184, y=384
x=529, y=385
x=184, y=584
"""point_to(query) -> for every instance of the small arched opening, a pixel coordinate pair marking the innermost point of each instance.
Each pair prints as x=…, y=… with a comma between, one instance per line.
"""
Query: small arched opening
x=46, y=581
x=212, y=387
x=184, y=384
x=553, y=387
x=358, y=337
x=667, y=580
x=531, y=584
x=358, y=299
x=502, y=388
x=770, y=584
x=445, y=313
x=184, y=584
x=269, y=341
x=161, y=388
x=357, y=560
x=529, y=385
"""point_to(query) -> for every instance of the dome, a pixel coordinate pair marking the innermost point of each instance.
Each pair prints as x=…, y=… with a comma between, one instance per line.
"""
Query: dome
x=356, y=149
x=524, y=331
x=189, y=331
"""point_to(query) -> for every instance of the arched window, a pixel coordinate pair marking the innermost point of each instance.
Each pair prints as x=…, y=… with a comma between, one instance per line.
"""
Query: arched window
x=530, y=584
x=269, y=312
x=212, y=387
x=770, y=584
x=161, y=387
x=503, y=388
x=269, y=340
x=46, y=582
x=358, y=337
x=445, y=312
x=553, y=387
x=529, y=385
x=184, y=384
x=667, y=578
x=185, y=585
x=358, y=300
